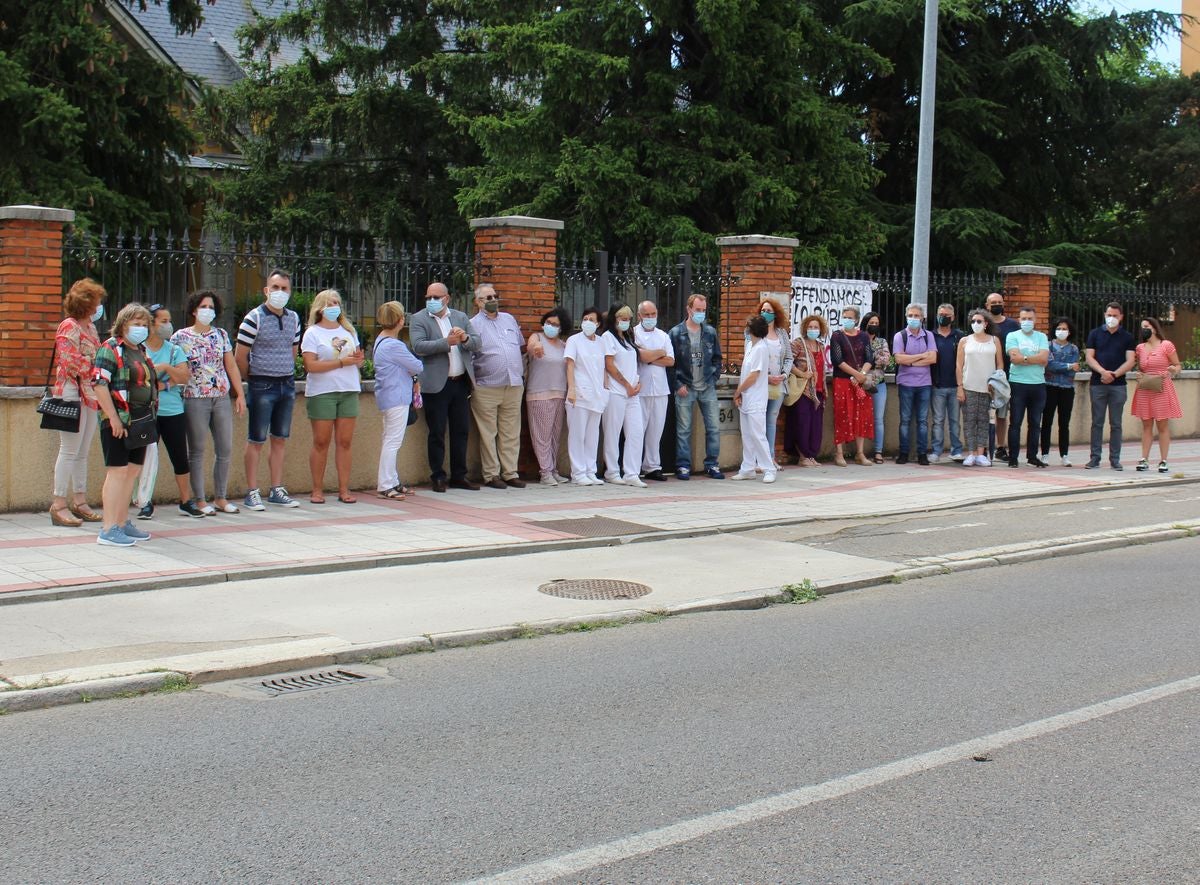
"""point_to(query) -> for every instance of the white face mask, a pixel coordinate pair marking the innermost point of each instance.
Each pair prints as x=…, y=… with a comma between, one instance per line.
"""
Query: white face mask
x=977, y=326
x=649, y=323
x=278, y=299
x=622, y=325
x=588, y=327
x=1111, y=322
x=205, y=316
x=1061, y=334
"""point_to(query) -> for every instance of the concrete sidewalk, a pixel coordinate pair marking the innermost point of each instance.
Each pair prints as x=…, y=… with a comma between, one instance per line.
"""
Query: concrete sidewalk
x=322, y=584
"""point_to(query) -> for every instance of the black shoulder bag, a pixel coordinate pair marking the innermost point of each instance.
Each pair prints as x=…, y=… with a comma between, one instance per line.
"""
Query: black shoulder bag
x=57, y=413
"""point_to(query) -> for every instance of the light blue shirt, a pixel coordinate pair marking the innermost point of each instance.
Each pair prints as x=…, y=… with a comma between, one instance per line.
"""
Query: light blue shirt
x=395, y=369
x=170, y=400
x=1029, y=345
x=498, y=362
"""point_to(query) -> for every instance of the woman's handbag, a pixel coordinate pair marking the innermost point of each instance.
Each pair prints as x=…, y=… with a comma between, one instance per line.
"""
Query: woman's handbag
x=796, y=387
x=57, y=413
x=774, y=391
x=142, y=430
x=1150, y=383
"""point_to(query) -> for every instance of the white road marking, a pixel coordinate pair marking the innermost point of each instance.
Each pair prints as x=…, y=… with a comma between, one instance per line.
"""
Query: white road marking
x=1180, y=500
x=944, y=528
x=1074, y=512
x=685, y=831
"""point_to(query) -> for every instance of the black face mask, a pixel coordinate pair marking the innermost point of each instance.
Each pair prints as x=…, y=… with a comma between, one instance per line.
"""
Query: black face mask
x=1146, y=333
x=997, y=310
x=944, y=321
x=872, y=329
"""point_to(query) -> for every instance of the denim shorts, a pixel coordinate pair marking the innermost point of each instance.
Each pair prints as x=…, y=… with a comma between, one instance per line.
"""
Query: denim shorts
x=270, y=406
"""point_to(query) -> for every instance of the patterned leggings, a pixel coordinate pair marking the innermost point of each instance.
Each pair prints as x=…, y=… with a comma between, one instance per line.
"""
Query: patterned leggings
x=975, y=420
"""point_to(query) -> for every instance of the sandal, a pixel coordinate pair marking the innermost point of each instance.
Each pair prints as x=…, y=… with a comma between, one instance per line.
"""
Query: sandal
x=392, y=494
x=84, y=512
x=879, y=457
x=317, y=499
x=62, y=516
x=862, y=459
x=347, y=499
x=839, y=460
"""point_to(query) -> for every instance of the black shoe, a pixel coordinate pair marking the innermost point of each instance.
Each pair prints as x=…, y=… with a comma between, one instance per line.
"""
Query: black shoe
x=1001, y=454
x=496, y=483
x=902, y=459
x=189, y=508
x=1091, y=465
x=655, y=476
x=439, y=485
x=465, y=483
x=1116, y=465
x=516, y=482
x=147, y=512
x=1013, y=462
x=1036, y=462
x=923, y=460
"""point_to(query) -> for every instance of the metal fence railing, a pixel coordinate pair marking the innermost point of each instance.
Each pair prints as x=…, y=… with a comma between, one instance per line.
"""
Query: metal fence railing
x=1177, y=306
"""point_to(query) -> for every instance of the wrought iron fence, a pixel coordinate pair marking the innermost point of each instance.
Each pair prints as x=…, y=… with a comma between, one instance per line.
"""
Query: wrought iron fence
x=1177, y=306
x=164, y=268
x=601, y=280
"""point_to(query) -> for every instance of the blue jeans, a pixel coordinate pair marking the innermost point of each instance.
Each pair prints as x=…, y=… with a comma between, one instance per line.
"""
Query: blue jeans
x=945, y=407
x=918, y=397
x=270, y=407
x=773, y=407
x=879, y=402
x=707, y=400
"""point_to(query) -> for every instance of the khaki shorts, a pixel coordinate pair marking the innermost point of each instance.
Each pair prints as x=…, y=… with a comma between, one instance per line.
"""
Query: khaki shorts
x=330, y=406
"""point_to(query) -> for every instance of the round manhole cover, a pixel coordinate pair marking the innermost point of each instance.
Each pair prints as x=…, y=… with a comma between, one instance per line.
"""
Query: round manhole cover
x=593, y=588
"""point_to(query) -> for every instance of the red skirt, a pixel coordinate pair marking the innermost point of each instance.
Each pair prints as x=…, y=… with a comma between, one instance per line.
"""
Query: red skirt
x=853, y=412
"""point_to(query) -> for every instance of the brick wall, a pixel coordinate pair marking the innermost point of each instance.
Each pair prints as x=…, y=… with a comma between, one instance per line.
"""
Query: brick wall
x=759, y=264
x=1028, y=285
x=31, y=290
x=518, y=255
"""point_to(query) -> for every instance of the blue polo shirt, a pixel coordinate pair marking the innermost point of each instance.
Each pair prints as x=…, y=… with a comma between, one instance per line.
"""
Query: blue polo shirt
x=1110, y=349
x=945, y=370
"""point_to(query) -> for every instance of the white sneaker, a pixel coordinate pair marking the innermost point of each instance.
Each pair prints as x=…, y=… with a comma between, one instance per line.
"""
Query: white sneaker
x=548, y=480
x=635, y=481
x=563, y=479
x=613, y=479
x=982, y=461
x=595, y=480
x=1064, y=461
x=934, y=458
x=582, y=481
x=968, y=461
x=769, y=477
x=740, y=476
x=958, y=457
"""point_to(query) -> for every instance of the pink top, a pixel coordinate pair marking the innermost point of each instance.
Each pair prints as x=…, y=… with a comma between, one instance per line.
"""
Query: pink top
x=76, y=342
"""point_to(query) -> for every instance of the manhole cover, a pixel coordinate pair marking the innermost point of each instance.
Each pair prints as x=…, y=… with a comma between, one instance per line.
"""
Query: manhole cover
x=593, y=588
x=593, y=526
x=285, y=685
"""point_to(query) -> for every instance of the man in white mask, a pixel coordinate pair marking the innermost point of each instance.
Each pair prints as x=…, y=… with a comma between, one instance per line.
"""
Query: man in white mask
x=655, y=355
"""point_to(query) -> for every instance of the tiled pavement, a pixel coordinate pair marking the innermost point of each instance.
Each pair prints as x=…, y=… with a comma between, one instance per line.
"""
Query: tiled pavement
x=36, y=556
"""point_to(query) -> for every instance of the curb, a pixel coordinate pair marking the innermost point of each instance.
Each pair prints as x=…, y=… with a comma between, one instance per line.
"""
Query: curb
x=83, y=692
x=361, y=563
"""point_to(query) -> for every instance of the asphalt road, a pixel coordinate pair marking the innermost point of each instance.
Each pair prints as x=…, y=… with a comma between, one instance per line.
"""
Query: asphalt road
x=825, y=726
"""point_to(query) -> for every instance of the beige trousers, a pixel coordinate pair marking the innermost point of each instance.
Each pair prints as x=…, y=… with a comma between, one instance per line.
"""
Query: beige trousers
x=497, y=412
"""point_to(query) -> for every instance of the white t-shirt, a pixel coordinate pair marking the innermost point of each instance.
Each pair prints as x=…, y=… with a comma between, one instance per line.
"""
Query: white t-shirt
x=754, y=398
x=626, y=359
x=588, y=356
x=654, y=378
x=331, y=344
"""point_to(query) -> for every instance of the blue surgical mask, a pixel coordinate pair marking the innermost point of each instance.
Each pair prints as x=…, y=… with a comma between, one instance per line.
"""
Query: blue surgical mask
x=98, y=315
x=165, y=331
x=813, y=334
x=550, y=331
x=1026, y=326
x=588, y=327
x=698, y=318
x=137, y=334
x=849, y=322
x=914, y=323
x=205, y=316
x=434, y=305
x=278, y=299
x=649, y=323
x=332, y=313
x=622, y=325
x=768, y=315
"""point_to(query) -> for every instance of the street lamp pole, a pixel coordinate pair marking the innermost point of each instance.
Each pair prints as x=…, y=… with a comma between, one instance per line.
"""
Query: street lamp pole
x=920, y=265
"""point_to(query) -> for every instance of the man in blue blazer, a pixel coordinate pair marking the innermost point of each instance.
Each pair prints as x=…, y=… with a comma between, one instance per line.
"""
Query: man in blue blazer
x=443, y=339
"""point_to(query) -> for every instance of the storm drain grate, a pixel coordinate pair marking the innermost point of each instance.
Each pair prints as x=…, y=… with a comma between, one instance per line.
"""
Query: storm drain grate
x=593, y=588
x=285, y=685
x=594, y=526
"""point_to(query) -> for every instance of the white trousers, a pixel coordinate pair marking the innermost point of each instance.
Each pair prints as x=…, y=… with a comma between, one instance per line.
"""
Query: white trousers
x=623, y=413
x=395, y=422
x=756, y=454
x=654, y=416
x=147, y=478
x=583, y=436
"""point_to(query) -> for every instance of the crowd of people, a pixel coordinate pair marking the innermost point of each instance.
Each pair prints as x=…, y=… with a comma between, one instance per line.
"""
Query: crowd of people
x=607, y=385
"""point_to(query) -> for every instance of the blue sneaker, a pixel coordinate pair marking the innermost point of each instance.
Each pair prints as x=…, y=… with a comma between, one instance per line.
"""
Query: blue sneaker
x=683, y=473
x=280, y=497
x=114, y=537
x=133, y=532
x=713, y=473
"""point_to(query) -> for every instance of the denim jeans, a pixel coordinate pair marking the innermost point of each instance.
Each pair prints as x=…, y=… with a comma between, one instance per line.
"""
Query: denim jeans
x=773, y=407
x=270, y=405
x=945, y=408
x=879, y=402
x=918, y=397
x=707, y=400
x=1111, y=397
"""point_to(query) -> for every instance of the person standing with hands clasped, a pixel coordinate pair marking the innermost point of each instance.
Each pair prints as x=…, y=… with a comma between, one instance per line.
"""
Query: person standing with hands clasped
x=396, y=370
x=499, y=386
x=655, y=357
x=853, y=412
x=979, y=356
x=587, y=397
x=916, y=352
x=623, y=411
x=1110, y=356
x=1154, y=399
x=1028, y=352
x=751, y=400
x=546, y=390
x=1060, y=389
x=693, y=378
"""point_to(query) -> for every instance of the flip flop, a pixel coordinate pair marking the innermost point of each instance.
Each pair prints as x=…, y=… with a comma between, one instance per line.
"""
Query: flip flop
x=315, y=500
x=347, y=499
x=393, y=494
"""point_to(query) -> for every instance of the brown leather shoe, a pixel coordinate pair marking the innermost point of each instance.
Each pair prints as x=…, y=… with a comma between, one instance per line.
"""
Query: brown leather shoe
x=464, y=483
x=516, y=482
x=439, y=485
x=496, y=483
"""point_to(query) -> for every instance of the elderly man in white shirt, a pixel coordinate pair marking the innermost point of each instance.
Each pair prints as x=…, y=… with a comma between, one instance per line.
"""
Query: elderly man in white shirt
x=655, y=354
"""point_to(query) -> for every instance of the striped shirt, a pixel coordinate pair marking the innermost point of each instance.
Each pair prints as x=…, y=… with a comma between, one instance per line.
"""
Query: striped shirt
x=271, y=339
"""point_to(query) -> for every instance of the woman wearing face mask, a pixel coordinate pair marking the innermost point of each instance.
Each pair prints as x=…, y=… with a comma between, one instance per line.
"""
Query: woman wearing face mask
x=396, y=371
x=805, y=422
x=1156, y=358
x=979, y=355
x=876, y=386
x=213, y=379
x=125, y=385
x=546, y=390
x=332, y=357
x=75, y=345
x=587, y=397
x=1060, y=388
x=623, y=411
x=779, y=349
x=853, y=412
x=171, y=367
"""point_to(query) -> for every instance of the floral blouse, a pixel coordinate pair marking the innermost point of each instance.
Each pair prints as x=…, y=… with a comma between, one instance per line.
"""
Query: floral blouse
x=77, y=343
x=206, y=360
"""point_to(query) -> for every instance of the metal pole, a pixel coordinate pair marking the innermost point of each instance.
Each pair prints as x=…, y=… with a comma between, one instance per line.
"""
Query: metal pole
x=920, y=264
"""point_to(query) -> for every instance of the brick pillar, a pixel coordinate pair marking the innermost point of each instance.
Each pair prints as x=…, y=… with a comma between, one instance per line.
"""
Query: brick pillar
x=759, y=264
x=519, y=255
x=31, y=290
x=1028, y=285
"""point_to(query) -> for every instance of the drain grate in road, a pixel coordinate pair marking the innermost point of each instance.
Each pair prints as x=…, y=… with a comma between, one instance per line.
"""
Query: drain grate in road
x=593, y=588
x=594, y=526
x=286, y=685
